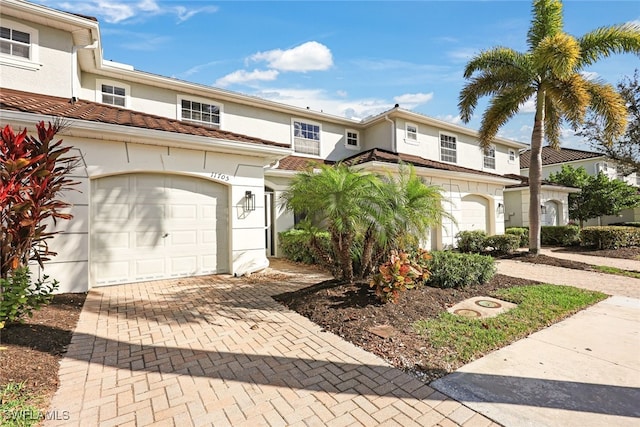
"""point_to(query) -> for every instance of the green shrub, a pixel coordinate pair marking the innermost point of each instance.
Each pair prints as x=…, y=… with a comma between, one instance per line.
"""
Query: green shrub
x=503, y=244
x=455, y=270
x=296, y=245
x=400, y=273
x=522, y=233
x=19, y=296
x=471, y=241
x=560, y=235
x=610, y=237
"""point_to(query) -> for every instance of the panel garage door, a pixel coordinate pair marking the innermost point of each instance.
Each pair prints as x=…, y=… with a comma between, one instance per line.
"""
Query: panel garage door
x=474, y=214
x=154, y=226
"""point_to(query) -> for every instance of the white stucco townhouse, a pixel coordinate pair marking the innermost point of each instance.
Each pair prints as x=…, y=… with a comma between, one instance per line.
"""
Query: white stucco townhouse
x=182, y=179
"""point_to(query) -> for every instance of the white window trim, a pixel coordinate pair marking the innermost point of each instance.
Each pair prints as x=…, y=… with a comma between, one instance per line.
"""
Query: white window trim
x=218, y=104
x=33, y=63
x=126, y=87
x=293, y=137
x=453, y=135
x=406, y=133
x=515, y=156
x=346, y=139
x=491, y=147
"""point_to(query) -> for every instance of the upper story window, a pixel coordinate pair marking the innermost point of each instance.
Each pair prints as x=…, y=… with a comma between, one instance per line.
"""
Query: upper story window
x=202, y=112
x=448, y=148
x=602, y=167
x=306, y=137
x=113, y=93
x=490, y=157
x=512, y=156
x=411, y=132
x=352, y=139
x=18, y=45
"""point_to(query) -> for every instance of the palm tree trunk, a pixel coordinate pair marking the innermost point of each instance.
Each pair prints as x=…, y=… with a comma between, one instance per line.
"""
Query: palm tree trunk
x=535, y=176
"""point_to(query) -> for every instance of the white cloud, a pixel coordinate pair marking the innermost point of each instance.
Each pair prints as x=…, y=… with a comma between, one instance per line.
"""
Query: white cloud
x=309, y=56
x=243, y=76
x=320, y=100
x=529, y=106
x=412, y=100
x=590, y=75
x=463, y=54
x=342, y=93
x=113, y=11
x=450, y=118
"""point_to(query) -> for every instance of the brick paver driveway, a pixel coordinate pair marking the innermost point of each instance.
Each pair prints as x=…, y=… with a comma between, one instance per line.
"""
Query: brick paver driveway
x=220, y=351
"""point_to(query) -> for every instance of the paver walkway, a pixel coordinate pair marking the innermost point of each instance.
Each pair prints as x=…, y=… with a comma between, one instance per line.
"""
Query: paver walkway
x=220, y=351
x=625, y=264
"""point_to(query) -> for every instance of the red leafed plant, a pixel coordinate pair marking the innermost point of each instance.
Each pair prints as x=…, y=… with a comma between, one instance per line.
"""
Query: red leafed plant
x=398, y=274
x=34, y=171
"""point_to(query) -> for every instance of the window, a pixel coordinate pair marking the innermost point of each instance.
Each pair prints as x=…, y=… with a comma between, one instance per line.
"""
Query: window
x=113, y=95
x=412, y=132
x=18, y=45
x=15, y=42
x=306, y=138
x=512, y=156
x=490, y=157
x=200, y=112
x=602, y=167
x=351, y=138
x=448, y=151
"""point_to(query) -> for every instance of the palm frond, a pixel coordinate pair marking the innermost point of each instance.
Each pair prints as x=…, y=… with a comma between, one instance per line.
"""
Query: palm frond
x=502, y=107
x=546, y=21
x=489, y=82
x=607, y=103
x=570, y=97
x=496, y=58
x=604, y=41
x=558, y=53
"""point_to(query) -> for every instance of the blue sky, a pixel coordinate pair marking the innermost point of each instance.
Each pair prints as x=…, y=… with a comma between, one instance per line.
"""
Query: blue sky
x=348, y=58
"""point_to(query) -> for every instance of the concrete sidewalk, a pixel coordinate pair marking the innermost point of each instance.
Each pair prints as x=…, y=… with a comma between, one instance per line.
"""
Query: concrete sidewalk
x=583, y=371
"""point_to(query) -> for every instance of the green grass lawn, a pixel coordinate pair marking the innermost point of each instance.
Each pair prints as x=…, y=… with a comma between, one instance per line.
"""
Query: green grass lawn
x=16, y=409
x=538, y=306
x=617, y=271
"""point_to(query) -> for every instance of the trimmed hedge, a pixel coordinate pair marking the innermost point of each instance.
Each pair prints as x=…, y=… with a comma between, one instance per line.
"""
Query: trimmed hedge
x=560, y=235
x=471, y=241
x=521, y=232
x=455, y=270
x=610, y=237
x=503, y=243
x=295, y=245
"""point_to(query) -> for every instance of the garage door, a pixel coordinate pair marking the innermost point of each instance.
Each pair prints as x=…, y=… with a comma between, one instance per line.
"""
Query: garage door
x=550, y=216
x=474, y=213
x=154, y=226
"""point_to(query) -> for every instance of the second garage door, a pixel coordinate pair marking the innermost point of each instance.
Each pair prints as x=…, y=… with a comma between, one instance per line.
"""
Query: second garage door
x=474, y=213
x=155, y=226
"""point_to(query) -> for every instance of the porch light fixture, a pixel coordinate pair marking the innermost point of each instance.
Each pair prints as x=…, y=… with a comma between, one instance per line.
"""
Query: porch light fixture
x=500, y=209
x=249, y=201
x=543, y=209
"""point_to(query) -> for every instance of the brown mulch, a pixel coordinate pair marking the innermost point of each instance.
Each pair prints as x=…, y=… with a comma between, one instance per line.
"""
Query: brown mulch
x=350, y=310
x=624, y=253
x=30, y=352
x=548, y=260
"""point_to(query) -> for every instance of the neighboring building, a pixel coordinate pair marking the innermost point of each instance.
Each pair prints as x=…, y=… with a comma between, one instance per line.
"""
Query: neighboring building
x=593, y=163
x=183, y=179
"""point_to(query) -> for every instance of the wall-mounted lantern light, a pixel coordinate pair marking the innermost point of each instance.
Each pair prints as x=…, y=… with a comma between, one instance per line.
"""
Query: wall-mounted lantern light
x=500, y=209
x=249, y=201
x=543, y=209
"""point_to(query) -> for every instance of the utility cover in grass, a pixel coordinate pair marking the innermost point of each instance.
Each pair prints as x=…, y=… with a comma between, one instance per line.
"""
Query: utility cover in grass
x=481, y=307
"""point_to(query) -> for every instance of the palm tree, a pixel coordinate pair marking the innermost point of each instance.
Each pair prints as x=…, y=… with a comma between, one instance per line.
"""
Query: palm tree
x=548, y=73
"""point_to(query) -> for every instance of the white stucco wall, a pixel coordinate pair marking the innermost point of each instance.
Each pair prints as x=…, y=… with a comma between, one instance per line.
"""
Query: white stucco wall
x=517, y=201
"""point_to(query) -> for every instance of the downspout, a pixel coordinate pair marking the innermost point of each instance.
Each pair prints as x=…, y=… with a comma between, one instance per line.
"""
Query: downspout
x=393, y=133
x=75, y=83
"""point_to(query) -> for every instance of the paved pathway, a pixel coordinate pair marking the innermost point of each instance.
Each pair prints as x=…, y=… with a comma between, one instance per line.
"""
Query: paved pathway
x=220, y=351
x=624, y=264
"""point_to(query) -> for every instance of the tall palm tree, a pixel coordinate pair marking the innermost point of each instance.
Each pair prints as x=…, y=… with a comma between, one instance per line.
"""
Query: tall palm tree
x=548, y=73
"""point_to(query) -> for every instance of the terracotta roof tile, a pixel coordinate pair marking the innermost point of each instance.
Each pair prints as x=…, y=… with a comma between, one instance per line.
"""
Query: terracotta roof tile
x=551, y=156
x=14, y=100
x=378, y=155
x=297, y=163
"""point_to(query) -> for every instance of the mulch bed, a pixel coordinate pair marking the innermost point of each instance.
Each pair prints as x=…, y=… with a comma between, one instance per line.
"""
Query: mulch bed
x=350, y=310
x=547, y=260
x=625, y=253
x=30, y=352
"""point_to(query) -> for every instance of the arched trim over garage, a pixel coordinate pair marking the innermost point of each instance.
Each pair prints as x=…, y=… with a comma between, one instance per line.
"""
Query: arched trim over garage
x=149, y=226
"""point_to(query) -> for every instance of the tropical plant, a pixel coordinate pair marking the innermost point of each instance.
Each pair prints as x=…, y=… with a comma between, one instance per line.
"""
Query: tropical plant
x=365, y=214
x=397, y=275
x=549, y=73
x=33, y=174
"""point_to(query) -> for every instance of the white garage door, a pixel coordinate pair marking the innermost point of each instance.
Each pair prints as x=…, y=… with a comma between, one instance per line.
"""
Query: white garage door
x=550, y=217
x=474, y=214
x=154, y=226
